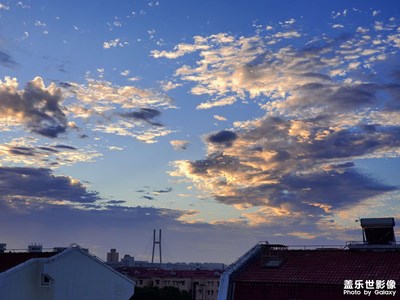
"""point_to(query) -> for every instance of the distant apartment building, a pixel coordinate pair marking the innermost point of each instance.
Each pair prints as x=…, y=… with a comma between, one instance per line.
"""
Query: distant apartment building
x=127, y=261
x=201, y=284
x=113, y=257
x=63, y=274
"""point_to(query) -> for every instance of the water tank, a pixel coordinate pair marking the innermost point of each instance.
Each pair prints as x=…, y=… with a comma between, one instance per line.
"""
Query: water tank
x=378, y=231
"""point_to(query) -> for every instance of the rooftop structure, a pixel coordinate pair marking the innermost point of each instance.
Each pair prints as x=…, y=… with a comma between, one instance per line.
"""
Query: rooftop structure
x=269, y=271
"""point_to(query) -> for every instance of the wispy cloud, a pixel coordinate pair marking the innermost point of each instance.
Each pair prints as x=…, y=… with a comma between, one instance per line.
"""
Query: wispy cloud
x=121, y=110
x=115, y=43
x=6, y=60
x=30, y=152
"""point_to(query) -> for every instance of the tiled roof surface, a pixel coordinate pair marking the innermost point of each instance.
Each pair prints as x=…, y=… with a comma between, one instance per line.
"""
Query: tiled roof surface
x=10, y=260
x=325, y=267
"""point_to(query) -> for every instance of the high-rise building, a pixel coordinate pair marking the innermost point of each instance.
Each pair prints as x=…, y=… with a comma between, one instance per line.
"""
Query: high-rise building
x=112, y=257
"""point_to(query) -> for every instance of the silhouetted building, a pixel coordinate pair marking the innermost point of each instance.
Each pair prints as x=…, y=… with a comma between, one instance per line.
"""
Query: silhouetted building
x=201, y=284
x=368, y=269
x=113, y=257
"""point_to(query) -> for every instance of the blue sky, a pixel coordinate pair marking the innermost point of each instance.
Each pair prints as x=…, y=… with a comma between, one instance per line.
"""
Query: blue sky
x=222, y=123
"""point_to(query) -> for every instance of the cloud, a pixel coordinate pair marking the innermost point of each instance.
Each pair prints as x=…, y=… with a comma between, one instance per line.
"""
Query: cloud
x=115, y=43
x=166, y=190
x=264, y=68
x=224, y=137
x=326, y=105
x=115, y=202
x=100, y=96
x=270, y=165
x=40, y=23
x=125, y=73
x=287, y=34
x=179, y=144
x=181, y=49
x=144, y=114
x=167, y=86
x=216, y=102
x=36, y=107
x=6, y=60
x=121, y=110
x=220, y=118
x=31, y=186
x=131, y=129
x=30, y=152
x=337, y=26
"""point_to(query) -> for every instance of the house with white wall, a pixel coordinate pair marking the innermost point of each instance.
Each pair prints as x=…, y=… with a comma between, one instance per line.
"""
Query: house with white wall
x=71, y=274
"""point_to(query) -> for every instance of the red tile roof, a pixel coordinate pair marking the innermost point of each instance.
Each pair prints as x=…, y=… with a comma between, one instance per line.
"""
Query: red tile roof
x=10, y=260
x=325, y=267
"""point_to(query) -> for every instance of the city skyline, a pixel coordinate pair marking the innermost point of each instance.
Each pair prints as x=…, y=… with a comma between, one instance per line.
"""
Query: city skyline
x=223, y=123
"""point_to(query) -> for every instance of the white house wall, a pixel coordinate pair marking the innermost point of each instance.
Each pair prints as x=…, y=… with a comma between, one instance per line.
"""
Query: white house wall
x=23, y=283
x=77, y=275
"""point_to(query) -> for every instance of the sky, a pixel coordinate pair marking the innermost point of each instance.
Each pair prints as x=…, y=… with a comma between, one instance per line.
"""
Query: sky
x=222, y=123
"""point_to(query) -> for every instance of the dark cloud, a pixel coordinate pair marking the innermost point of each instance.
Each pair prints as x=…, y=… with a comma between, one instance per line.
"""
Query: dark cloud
x=147, y=197
x=39, y=155
x=334, y=98
x=317, y=76
x=48, y=149
x=65, y=147
x=353, y=142
x=167, y=190
x=338, y=189
x=6, y=60
x=224, y=137
x=393, y=90
x=353, y=97
x=35, y=184
x=144, y=114
x=344, y=165
x=22, y=151
x=65, y=85
x=36, y=106
x=116, y=202
x=61, y=68
x=216, y=161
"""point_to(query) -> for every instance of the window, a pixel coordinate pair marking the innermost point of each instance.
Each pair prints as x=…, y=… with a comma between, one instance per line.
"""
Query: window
x=46, y=280
x=273, y=263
